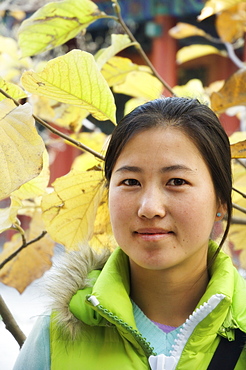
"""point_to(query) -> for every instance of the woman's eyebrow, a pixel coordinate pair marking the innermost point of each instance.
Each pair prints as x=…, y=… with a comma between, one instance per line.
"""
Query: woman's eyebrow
x=162, y=170
x=129, y=169
x=175, y=168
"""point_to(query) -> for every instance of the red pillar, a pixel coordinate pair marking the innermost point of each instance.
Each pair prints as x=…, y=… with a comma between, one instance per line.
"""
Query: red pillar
x=164, y=48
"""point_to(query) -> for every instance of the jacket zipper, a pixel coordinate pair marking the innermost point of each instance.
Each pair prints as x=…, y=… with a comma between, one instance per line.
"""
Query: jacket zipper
x=185, y=332
x=135, y=333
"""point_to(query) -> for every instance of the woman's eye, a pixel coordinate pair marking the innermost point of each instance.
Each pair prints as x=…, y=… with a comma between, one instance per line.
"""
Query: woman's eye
x=177, y=182
x=131, y=182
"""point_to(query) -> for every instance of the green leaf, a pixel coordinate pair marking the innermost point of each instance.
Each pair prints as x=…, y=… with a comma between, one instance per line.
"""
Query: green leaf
x=56, y=23
x=74, y=79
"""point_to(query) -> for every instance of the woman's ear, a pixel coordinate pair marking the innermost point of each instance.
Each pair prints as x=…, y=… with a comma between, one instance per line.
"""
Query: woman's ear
x=221, y=211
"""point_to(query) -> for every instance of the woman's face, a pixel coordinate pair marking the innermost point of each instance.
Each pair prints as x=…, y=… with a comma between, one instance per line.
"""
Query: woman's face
x=162, y=201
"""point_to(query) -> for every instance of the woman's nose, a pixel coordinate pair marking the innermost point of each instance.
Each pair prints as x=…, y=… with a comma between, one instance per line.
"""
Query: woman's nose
x=152, y=205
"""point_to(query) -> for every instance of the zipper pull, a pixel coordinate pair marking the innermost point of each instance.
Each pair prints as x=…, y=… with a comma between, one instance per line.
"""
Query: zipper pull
x=162, y=362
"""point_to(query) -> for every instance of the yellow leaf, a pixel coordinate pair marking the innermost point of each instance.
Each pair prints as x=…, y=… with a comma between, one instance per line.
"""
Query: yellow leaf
x=140, y=85
x=96, y=141
x=196, y=51
x=56, y=23
x=103, y=235
x=17, y=14
x=237, y=24
x=183, y=30
x=36, y=186
x=118, y=43
x=21, y=148
x=85, y=162
x=116, y=70
x=8, y=216
x=237, y=136
x=13, y=90
x=60, y=114
x=238, y=150
x=193, y=89
x=231, y=94
x=11, y=65
x=69, y=211
x=31, y=262
x=133, y=103
x=74, y=78
x=215, y=6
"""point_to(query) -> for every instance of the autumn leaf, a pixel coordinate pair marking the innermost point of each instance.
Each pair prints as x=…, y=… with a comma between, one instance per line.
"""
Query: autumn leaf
x=37, y=186
x=31, y=263
x=196, y=51
x=116, y=70
x=193, y=89
x=118, y=43
x=140, y=85
x=69, y=211
x=231, y=94
x=8, y=215
x=237, y=23
x=11, y=64
x=56, y=23
x=103, y=235
x=183, y=30
x=133, y=103
x=215, y=6
x=13, y=90
x=74, y=78
x=238, y=150
x=59, y=114
x=21, y=148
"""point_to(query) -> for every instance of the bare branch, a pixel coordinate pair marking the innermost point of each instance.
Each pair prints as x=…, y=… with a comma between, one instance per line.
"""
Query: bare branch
x=238, y=221
x=24, y=245
x=239, y=192
x=139, y=47
x=10, y=323
x=241, y=209
x=234, y=57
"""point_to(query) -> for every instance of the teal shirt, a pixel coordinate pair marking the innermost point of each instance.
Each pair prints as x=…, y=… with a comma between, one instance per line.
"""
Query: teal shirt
x=161, y=342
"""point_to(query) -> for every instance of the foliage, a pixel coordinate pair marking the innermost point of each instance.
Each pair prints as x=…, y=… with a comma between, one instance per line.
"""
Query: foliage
x=62, y=92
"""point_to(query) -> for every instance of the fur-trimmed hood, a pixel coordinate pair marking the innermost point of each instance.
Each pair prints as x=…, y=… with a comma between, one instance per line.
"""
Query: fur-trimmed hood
x=68, y=275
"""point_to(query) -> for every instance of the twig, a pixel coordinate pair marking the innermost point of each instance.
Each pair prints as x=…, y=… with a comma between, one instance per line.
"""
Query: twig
x=238, y=221
x=139, y=47
x=241, y=209
x=24, y=245
x=240, y=162
x=57, y=132
x=239, y=192
x=10, y=323
x=233, y=56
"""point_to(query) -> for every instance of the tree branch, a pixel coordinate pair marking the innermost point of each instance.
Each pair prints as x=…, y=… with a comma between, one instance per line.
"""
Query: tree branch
x=139, y=47
x=24, y=245
x=10, y=323
x=57, y=132
x=234, y=57
x=239, y=192
x=241, y=209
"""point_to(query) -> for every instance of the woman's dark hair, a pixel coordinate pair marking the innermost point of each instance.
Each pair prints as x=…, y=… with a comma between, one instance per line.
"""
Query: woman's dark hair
x=194, y=119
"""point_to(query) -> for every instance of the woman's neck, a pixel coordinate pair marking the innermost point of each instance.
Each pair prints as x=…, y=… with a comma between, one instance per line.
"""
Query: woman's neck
x=165, y=296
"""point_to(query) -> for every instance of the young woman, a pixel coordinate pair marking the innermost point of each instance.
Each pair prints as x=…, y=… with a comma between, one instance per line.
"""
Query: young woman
x=168, y=298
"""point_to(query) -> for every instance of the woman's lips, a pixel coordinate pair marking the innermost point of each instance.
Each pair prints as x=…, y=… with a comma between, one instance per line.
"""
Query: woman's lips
x=152, y=234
